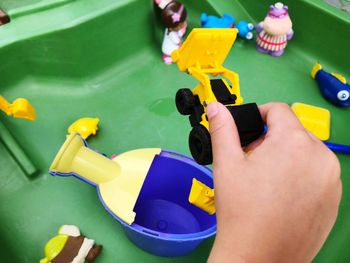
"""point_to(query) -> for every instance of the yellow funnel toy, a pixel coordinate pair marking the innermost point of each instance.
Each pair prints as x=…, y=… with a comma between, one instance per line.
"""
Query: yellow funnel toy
x=118, y=181
x=202, y=196
x=20, y=108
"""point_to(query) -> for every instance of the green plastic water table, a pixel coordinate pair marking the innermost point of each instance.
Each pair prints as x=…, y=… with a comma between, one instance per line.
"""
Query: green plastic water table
x=102, y=58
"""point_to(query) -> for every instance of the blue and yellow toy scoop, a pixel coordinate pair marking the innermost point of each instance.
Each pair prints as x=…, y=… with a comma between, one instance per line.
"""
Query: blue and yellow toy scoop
x=118, y=181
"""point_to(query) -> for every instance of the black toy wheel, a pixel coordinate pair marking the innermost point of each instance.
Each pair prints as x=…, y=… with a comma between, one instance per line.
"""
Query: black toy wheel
x=200, y=145
x=185, y=101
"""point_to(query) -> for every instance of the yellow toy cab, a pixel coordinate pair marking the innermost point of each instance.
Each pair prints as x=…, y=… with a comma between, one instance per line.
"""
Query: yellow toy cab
x=202, y=55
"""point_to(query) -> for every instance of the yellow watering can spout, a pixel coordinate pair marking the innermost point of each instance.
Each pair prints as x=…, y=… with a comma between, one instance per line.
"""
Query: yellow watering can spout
x=118, y=181
x=74, y=157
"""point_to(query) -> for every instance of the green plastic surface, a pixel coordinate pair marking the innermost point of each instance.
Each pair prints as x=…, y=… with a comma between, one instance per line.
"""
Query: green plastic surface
x=102, y=58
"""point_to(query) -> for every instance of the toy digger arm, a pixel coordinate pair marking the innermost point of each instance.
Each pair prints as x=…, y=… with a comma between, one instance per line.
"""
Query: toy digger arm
x=234, y=79
x=204, y=80
x=5, y=105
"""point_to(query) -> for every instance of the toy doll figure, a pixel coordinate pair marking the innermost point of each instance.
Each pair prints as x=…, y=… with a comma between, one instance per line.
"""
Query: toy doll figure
x=275, y=31
x=174, y=17
x=162, y=3
x=70, y=246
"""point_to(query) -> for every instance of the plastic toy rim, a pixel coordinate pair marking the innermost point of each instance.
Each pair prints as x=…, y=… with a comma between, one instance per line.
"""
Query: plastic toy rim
x=63, y=148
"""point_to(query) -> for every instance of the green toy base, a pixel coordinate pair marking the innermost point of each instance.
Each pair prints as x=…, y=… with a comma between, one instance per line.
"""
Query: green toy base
x=72, y=59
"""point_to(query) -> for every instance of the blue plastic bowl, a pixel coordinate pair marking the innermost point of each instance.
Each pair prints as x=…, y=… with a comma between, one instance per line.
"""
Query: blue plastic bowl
x=166, y=224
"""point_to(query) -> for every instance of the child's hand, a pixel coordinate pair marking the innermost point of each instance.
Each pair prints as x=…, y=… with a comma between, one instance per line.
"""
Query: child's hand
x=277, y=202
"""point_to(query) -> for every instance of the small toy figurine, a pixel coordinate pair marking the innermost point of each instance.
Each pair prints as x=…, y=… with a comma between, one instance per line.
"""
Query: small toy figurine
x=20, y=108
x=245, y=29
x=70, y=246
x=84, y=126
x=333, y=86
x=174, y=17
x=162, y=3
x=226, y=21
x=275, y=31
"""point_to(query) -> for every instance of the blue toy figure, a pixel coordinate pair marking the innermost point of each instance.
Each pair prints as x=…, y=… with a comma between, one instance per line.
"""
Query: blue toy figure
x=333, y=86
x=245, y=29
x=227, y=21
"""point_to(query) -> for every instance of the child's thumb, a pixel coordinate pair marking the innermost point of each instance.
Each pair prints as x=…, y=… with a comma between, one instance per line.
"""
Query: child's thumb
x=224, y=135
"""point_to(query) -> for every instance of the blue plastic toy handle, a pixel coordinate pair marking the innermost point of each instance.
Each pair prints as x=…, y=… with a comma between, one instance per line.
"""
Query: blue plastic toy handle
x=338, y=148
x=335, y=147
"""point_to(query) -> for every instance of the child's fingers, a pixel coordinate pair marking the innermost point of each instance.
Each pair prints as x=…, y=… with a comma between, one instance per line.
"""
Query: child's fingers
x=224, y=135
x=252, y=146
x=279, y=118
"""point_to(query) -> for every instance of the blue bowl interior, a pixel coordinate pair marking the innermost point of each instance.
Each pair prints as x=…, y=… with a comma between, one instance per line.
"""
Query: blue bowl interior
x=167, y=217
x=162, y=207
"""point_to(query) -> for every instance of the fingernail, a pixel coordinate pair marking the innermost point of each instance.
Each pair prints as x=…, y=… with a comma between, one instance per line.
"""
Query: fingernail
x=212, y=110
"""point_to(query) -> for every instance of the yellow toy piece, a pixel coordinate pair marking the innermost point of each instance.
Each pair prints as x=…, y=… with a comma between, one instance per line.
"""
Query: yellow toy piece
x=54, y=247
x=84, y=126
x=20, y=108
x=119, y=181
x=315, y=119
x=202, y=196
x=341, y=78
x=201, y=55
x=317, y=67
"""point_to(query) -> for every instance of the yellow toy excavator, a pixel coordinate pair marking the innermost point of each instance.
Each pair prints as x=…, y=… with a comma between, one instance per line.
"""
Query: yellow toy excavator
x=202, y=56
x=20, y=108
